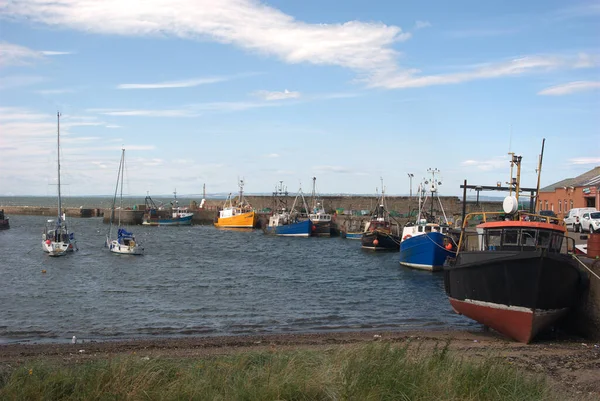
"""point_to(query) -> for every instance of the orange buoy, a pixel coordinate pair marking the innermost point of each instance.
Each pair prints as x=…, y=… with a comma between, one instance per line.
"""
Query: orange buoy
x=314, y=228
x=44, y=271
x=48, y=242
x=407, y=236
x=376, y=242
x=448, y=246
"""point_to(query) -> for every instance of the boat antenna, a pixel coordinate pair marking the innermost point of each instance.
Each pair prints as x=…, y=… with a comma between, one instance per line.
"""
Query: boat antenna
x=58, y=164
x=539, y=172
x=314, y=202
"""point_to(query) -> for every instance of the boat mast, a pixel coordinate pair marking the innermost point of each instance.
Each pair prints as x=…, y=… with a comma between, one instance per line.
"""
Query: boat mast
x=539, y=172
x=58, y=164
x=313, y=195
x=121, y=170
x=241, y=197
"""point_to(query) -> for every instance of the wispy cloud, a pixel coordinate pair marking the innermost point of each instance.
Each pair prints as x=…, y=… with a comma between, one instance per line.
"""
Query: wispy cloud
x=499, y=162
x=513, y=67
x=146, y=113
x=483, y=32
x=54, y=91
x=286, y=94
x=332, y=169
x=175, y=84
x=422, y=24
x=272, y=155
x=585, y=160
x=571, y=87
x=11, y=54
x=54, y=53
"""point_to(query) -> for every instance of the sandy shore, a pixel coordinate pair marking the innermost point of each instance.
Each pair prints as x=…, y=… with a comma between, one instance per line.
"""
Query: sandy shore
x=569, y=363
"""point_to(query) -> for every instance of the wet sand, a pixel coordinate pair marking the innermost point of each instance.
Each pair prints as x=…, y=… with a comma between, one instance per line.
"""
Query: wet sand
x=571, y=364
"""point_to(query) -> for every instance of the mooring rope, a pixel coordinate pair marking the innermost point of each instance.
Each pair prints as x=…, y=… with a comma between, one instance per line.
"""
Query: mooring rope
x=584, y=265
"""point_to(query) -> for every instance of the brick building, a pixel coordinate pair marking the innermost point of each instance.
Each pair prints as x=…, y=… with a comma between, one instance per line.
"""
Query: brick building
x=581, y=191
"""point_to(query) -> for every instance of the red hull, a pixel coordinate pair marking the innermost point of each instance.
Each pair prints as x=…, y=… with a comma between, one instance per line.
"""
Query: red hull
x=521, y=324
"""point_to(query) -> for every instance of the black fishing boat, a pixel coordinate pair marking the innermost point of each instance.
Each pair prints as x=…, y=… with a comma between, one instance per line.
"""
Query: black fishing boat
x=378, y=234
x=4, y=223
x=512, y=273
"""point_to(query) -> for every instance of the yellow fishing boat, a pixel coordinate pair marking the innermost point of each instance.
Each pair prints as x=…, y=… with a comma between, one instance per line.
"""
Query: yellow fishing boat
x=237, y=215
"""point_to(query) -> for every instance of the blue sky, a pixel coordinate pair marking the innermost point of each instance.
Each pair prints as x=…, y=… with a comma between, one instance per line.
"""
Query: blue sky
x=203, y=92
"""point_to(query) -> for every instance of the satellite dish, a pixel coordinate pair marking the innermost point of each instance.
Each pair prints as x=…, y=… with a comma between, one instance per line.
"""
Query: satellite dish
x=510, y=204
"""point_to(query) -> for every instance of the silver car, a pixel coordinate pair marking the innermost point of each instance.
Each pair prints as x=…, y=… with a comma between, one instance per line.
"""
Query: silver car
x=590, y=221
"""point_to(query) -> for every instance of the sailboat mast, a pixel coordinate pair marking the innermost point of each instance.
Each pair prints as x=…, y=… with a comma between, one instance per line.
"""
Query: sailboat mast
x=313, y=195
x=121, y=170
x=58, y=164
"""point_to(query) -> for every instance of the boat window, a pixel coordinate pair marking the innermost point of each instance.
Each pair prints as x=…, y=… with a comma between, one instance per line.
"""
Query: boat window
x=543, y=240
x=427, y=229
x=556, y=242
x=510, y=237
x=420, y=229
x=493, y=239
x=528, y=237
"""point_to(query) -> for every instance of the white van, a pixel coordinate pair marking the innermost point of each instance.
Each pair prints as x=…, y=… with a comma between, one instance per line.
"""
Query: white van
x=573, y=218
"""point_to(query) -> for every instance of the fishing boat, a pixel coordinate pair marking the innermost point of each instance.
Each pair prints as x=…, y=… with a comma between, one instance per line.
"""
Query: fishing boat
x=125, y=243
x=289, y=223
x=237, y=215
x=4, y=223
x=513, y=273
x=378, y=234
x=320, y=219
x=161, y=216
x=57, y=240
x=425, y=243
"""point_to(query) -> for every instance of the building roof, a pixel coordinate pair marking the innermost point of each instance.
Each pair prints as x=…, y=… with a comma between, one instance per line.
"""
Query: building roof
x=590, y=178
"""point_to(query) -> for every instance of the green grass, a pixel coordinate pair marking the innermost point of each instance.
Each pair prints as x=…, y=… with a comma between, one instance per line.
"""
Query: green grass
x=377, y=371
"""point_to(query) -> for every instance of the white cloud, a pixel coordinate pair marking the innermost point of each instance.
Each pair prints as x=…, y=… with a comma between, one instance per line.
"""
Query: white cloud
x=331, y=169
x=286, y=94
x=496, y=163
x=54, y=53
x=112, y=126
x=54, y=91
x=272, y=155
x=585, y=160
x=145, y=113
x=571, y=87
x=11, y=54
x=422, y=24
x=245, y=23
x=174, y=84
x=513, y=67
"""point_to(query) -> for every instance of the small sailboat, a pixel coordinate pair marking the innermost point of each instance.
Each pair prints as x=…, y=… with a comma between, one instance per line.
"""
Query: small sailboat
x=238, y=215
x=57, y=240
x=320, y=219
x=426, y=244
x=125, y=244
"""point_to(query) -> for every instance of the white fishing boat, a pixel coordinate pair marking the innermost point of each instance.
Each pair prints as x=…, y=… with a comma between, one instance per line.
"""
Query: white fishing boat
x=125, y=243
x=57, y=240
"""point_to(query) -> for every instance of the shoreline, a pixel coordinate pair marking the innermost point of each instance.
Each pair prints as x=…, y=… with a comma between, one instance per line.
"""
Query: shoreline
x=567, y=362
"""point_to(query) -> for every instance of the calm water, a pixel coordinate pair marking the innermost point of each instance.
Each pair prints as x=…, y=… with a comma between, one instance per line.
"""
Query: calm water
x=202, y=281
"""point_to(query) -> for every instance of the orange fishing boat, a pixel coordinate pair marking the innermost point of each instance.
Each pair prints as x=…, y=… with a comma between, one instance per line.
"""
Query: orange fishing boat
x=237, y=215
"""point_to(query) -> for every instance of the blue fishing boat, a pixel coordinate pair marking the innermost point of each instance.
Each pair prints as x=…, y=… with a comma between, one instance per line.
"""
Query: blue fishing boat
x=426, y=243
x=159, y=216
x=289, y=223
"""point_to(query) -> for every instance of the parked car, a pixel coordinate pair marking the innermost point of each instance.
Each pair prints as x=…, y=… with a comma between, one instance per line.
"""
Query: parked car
x=549, y=213
x=573, y=218
x=590, y=221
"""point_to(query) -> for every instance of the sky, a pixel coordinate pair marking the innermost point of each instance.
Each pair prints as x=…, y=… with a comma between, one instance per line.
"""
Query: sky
x=207, y=92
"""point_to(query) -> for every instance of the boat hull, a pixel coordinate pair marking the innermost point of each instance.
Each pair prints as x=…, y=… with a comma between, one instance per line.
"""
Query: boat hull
x=351, y=235
x=517, y=293
x=243, y=220
x=57, y=248
x=179, y=221
x=122, y=249
x=379, y=241
x=425, y=251
x=321, y=229
x=297, y=229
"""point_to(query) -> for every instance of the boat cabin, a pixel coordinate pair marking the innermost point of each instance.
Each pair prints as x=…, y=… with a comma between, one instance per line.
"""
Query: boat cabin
x=319, y=217
x=519, y=236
